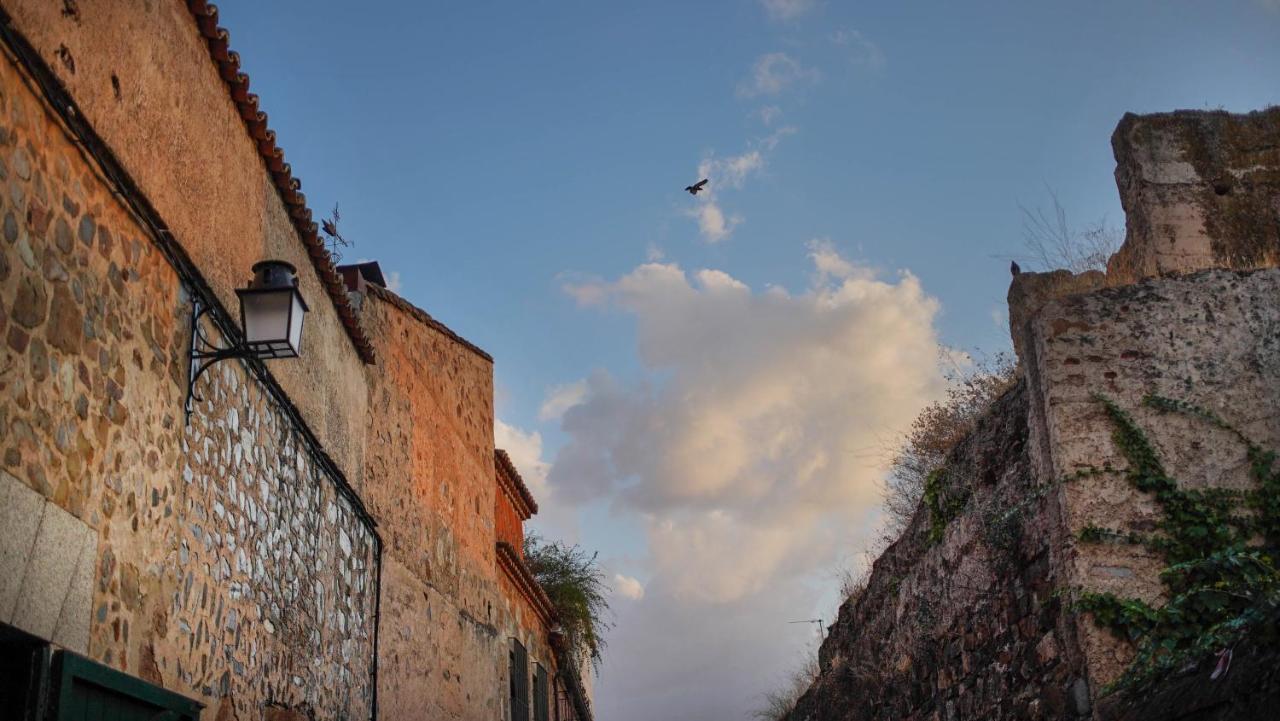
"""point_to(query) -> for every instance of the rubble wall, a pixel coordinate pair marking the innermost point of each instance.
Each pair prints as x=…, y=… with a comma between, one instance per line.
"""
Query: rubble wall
x=218, y=559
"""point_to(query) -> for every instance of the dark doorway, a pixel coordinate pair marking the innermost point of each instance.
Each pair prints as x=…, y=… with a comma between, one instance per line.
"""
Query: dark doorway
x=24, y=671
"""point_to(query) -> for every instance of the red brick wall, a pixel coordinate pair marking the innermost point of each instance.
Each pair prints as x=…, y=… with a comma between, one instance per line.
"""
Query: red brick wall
x=510, y=527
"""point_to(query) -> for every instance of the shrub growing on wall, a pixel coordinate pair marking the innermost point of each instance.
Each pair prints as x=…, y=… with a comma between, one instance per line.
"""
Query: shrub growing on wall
x=1221, y=546
x=573, y=580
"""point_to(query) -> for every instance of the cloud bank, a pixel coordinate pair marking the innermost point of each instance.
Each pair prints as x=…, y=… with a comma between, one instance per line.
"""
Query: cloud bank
x=784, y=10
x=774, y=73
x=748, y=450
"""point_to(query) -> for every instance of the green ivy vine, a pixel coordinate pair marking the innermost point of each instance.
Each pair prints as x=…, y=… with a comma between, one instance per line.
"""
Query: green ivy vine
x=944, y=503
x=1221, y=545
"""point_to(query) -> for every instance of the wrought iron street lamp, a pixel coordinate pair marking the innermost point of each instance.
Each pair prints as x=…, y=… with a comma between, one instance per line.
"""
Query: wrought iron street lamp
x=271, y=314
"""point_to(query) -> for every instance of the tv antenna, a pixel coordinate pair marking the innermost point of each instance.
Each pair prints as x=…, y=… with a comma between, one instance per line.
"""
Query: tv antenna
x=822, y=629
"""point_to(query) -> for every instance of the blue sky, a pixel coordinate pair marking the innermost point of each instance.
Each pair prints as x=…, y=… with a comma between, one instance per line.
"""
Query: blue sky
x=518, y=164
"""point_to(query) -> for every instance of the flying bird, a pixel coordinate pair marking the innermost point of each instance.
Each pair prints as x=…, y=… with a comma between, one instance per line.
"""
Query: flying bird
x=1014, y=267
x=693, y=189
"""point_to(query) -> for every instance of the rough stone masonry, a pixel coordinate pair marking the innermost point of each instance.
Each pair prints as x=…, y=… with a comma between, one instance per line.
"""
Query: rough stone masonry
x=320, y=541
x=964, y=617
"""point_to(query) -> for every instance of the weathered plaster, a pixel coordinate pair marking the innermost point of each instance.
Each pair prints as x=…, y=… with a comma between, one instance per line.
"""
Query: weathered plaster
x=225, y=565
x=174, y=128
x=448, y=613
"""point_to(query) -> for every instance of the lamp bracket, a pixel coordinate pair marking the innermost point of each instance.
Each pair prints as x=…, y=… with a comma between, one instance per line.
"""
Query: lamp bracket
x=204, y=353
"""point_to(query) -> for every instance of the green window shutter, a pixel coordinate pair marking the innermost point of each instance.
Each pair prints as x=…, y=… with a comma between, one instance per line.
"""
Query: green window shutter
x=519, y=682
x=541, y=712
x=88, y=691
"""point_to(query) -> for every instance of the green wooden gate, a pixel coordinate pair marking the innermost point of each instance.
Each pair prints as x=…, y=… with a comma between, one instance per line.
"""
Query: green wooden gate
x=88, y=691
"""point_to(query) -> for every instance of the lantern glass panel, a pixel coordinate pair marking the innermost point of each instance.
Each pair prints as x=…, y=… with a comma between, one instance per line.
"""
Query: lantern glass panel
x=266, y=320
x=295, y=322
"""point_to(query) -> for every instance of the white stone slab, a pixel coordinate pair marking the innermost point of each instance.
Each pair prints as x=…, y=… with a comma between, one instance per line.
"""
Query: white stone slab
x=72, y=631
x=20, y=509
x=54, y=556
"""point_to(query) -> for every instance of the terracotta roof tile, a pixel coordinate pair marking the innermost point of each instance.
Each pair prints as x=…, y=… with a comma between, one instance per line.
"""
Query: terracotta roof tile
x=289, y=187
x=516, y=569
x=508, y=474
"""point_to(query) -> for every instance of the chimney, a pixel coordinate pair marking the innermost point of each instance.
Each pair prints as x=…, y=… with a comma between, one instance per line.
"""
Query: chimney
x=358, y=277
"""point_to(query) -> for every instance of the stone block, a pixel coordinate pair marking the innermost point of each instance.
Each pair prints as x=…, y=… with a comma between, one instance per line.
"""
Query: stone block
x=1029, y=292
x=20, y=519
x=1200, y=190
x=59, y=543
x=72, y=630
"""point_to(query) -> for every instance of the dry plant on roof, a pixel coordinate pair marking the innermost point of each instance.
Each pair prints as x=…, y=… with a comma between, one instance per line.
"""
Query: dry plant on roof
x=1052, y=243
x=777, y=705
x=939, y=427
x=576, y=586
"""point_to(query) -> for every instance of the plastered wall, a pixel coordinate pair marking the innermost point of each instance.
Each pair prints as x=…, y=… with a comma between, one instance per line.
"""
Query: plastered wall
x=142, y=76
x=219, y=559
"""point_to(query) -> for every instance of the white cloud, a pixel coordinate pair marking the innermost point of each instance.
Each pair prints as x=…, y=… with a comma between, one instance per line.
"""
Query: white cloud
x=774, y=73
x=769, y=113
x=561, y=398
x=525, y=450
x=731, y=171
x=741, y=451
x=861, y=50
x=712, y=222
x=728, y=172
x=627, y=587
x=1000, y=313
x=585, y=292
x=787, y=9
x=770, y=141
x=747, y=444
x=828, y=263
x=393, y=281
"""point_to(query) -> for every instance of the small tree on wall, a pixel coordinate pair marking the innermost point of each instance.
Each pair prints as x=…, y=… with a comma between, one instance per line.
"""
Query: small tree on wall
x=576, y=585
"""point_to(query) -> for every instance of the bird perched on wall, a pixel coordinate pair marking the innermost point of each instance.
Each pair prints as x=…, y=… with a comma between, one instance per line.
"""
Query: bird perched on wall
x=693, y=189
x=1014, y=268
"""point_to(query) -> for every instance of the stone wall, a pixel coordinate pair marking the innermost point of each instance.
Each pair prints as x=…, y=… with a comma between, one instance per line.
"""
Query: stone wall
x=967, y=619
x=222, y=561
x=1210, y=338
x=448, y=614
x=971, y=624
x=1199, y=190
x=959, y=619
x=142, y=76
x=226, y=559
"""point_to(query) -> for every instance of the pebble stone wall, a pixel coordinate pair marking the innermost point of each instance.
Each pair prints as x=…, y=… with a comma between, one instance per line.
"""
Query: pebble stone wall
x=227, y=567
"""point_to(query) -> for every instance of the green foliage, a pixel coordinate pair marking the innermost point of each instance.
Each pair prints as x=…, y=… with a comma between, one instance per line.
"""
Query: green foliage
x=1002, y=530
x=576, y=585
x=944, y=503
x=1098, y=534
x=936, y=431
x=1221, y=583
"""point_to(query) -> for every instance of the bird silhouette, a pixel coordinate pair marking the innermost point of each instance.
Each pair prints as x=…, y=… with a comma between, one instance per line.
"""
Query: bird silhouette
x=693, y=189
x=1014, y=268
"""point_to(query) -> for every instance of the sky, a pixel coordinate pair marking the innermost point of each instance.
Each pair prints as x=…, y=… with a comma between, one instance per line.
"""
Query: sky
x=707, y=389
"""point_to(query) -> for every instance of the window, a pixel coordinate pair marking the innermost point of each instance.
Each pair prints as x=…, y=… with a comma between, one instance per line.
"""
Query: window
x=540, y=695
x=519, y=682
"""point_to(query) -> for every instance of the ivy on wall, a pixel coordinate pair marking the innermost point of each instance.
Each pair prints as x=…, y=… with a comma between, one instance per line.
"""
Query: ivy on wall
x=1221, y=547
x=944, y=501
